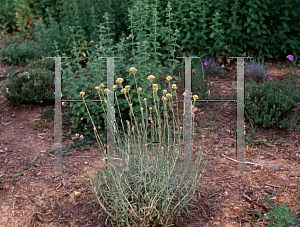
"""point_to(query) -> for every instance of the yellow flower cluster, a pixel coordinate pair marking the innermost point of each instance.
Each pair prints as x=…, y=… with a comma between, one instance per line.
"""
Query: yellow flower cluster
x=174, y=87
x=119, y=81
x=151, y=78
x=155, y=87
x=125, y=89
x=133, y=70
x=81, y=94
x=168, y=95
x=169, y=78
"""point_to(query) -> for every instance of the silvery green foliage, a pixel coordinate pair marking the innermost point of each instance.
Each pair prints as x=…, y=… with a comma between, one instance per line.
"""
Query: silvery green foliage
x=255, y=71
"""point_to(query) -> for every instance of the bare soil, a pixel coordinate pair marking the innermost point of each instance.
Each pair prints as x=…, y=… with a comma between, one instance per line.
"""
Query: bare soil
x=41, y=197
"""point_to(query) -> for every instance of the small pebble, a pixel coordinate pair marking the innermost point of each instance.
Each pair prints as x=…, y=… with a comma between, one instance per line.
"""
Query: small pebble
x=276, y=167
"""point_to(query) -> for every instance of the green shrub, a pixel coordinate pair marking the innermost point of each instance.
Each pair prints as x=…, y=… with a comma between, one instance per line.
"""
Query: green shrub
x=271, y=103
x=19, y=54
x=33, y=86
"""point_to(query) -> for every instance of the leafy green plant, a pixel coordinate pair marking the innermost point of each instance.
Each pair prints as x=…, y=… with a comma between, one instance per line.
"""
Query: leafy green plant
x=262, y=35
x=149, y=183
x=55, y=21
x=139, y=47
x=271, y=103
x=280, y=216
x=255, y=71
x=7, y=16
x=33, y=86
x=19, y=53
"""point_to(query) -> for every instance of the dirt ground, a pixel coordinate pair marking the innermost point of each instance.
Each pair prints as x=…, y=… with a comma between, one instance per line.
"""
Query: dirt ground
x=41, y=197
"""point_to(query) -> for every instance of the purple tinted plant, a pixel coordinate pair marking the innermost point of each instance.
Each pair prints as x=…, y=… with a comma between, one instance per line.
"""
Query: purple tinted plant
x=212, y=65
x=255, y=71
x=293, y=76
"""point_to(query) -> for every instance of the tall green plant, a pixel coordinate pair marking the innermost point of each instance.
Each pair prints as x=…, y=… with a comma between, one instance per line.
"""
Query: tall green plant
x=139, y=48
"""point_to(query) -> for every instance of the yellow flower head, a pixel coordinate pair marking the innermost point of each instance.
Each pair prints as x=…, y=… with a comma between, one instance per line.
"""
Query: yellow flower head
x=174, y=86
x=124, y=90
x=169, y=78
x=195, y=97
x=101, y=85
x=81, y=94
x=145, y=99
x=164, y=98
x=132, y=70
x=151, y=78
x=150, y=108
x=155, y=87
x=106, y=90
x=97, y=88
x=184, y=93
x=168, y=95
x=119, y=81
x=142, y=108
x=130, y=105
x=165, y=91
x=139, y=89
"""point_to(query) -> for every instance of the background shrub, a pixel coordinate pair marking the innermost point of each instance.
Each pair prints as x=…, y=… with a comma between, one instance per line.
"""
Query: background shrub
x=270, y=30
x=33, y=86
x=19, y=53
x=271, y=103
x=265, y=29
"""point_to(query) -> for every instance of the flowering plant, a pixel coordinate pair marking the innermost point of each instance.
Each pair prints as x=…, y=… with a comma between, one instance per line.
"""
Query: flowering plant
x=293, y=75
x=156, y=186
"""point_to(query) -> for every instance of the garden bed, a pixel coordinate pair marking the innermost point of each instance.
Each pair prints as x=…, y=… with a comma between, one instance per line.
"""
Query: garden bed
x=40, y=197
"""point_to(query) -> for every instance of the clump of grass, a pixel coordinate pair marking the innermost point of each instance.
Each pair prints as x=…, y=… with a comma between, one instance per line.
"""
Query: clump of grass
x=255, y=71
x=149, y=183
